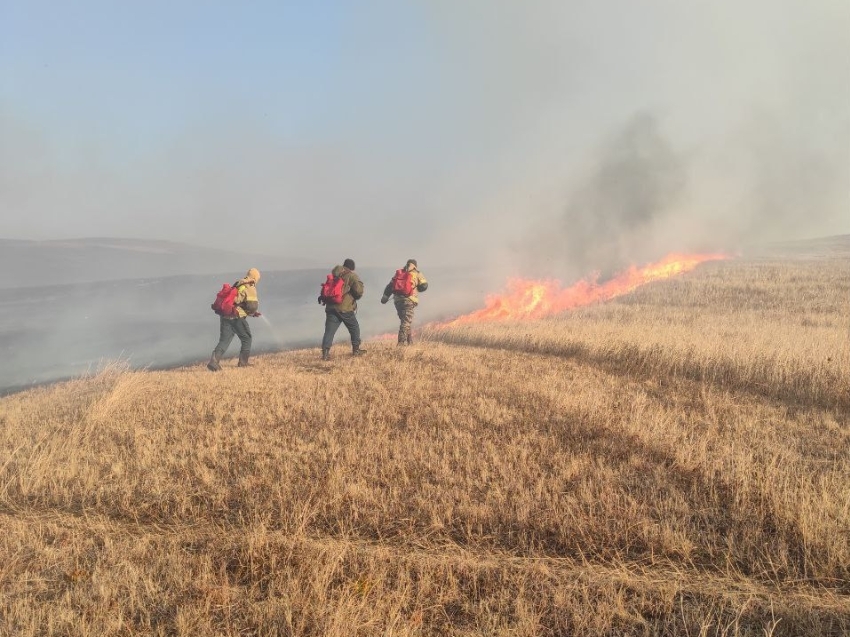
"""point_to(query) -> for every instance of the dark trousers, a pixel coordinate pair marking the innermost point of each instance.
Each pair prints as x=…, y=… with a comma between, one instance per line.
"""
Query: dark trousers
x=333, y=319
x=230, y=328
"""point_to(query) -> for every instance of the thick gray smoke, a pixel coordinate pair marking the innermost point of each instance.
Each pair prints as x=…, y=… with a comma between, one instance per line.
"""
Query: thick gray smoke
x=656, y=127
x=641, y=197
x=607, y=222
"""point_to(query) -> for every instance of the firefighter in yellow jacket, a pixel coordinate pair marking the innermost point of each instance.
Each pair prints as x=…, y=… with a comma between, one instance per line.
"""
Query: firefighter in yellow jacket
x=405, y=287
x=246, y=304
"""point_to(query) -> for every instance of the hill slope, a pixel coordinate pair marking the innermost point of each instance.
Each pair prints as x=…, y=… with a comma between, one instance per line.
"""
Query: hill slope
x=667, y=464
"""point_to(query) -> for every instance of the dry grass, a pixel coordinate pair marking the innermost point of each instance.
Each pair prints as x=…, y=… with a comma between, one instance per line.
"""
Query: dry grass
x=675, y=463
x=777, y=329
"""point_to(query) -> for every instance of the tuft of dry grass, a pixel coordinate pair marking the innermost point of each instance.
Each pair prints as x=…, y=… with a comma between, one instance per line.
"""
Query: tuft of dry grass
x=673, y=463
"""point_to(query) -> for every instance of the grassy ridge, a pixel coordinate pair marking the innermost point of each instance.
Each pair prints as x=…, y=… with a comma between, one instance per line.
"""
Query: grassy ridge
x=672, y=463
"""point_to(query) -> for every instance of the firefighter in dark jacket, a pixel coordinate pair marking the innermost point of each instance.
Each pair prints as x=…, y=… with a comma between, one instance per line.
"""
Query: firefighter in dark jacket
x=406, y=300
x=344, y=312
x=246, y=304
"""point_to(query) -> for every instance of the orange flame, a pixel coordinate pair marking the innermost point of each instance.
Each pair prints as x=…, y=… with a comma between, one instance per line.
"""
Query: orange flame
x=530, y=299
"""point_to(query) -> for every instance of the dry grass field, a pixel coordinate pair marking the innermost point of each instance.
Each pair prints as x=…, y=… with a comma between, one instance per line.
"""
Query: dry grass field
x=675, y=462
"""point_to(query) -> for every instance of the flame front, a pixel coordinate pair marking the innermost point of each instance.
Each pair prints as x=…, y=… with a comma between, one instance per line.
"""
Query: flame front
x=530, y=299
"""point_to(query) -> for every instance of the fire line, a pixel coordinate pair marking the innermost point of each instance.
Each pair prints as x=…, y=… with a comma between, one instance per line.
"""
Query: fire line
x=533, y=299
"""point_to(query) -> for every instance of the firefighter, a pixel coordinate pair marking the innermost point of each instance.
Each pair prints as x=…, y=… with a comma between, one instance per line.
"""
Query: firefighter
x=246, y=304
x=344, y=312
x=405, y=287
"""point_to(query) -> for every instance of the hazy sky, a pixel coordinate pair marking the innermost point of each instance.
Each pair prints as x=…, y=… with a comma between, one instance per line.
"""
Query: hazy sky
x=568, y=133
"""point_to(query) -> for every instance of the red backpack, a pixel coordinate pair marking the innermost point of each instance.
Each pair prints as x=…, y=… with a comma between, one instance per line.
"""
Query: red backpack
x=224, y=300
x=333, y=289
x=403, y=283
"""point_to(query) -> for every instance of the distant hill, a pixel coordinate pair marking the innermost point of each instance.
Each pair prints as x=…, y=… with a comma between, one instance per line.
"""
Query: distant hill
x=106, y=259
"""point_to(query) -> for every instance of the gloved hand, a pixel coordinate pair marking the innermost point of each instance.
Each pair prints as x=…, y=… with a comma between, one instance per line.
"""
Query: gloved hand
x=384, y=299
x=321, y=300
x=256, y=315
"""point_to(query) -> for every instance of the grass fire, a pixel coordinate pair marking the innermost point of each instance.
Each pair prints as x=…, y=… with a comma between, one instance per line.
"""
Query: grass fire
x=530, y=299
x=666, y=459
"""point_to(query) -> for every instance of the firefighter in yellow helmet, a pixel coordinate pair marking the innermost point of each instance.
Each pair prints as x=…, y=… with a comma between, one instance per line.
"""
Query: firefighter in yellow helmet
x=246, y=304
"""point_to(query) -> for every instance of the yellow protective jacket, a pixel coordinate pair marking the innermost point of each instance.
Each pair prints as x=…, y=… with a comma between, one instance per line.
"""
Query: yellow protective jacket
x=246, y=302
x=420, y=284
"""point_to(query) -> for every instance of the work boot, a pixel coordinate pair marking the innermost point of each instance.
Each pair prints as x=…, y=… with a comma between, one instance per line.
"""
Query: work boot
x=326, y=354
x=214, y=365
x=243, y=360
x=357, y=350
